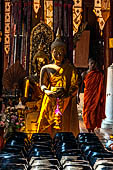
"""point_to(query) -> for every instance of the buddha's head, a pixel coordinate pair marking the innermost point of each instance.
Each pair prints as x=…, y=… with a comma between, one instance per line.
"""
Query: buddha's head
x=58, y=49
x=40, y=59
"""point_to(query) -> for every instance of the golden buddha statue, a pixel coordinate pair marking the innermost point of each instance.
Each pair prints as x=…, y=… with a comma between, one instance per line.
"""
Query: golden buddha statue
x=59, y=82
x=32, y=81
x=32, y=86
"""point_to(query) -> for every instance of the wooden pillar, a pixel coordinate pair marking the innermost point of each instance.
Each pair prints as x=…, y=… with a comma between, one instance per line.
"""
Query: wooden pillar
x=111, y=30
x=41, y=10
x=108, y=33
x=68, y=27
x=29, y=27
x=1, y=45
x=106, y=43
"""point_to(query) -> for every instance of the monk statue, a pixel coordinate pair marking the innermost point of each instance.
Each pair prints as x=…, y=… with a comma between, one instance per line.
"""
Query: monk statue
x=59, y=83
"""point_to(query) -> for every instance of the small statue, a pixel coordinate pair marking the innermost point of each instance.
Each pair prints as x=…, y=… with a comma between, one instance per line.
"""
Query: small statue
x=40, y=59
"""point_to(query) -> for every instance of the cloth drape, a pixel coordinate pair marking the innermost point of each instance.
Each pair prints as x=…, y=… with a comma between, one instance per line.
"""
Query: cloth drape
x=65, y=77
x=94, y=100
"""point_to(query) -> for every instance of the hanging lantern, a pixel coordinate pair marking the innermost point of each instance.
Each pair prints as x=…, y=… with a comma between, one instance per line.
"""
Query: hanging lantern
x=57, y=118
x=100, y=6
x=77, y=17
x=36, y=6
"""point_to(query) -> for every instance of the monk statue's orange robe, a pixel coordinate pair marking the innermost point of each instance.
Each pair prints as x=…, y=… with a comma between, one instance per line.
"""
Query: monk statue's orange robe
x=94, y=100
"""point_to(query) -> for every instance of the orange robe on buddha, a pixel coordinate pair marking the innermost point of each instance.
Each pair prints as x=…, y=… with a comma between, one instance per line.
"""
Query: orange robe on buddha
x=68, y=78
x=94, y=100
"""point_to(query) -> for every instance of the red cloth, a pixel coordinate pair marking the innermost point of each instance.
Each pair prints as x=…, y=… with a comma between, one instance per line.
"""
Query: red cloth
x=94, y=100
x=1, y=142
x=1, y=138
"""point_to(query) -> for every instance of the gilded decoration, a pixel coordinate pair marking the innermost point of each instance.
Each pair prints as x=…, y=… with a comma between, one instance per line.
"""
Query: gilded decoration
x=7, y=27
x=48, y=13
x=41, y=34
x=36, y=6
x=77, y=16
x=102, y=11
x=110, y=42
x=105, y=9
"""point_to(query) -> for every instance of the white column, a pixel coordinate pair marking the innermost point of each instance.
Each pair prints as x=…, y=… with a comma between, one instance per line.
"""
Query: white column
x=108, y=121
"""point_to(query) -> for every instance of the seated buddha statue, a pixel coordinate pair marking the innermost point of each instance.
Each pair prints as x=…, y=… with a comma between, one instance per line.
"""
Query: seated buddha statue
x=32, y=81
x=32, y=93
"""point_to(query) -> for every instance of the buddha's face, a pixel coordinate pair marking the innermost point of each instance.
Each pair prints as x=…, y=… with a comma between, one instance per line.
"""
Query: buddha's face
x=58, y=54
x=40, y=62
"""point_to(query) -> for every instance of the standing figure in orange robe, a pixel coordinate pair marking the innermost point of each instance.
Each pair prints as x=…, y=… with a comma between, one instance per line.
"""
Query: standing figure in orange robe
x=94, y=96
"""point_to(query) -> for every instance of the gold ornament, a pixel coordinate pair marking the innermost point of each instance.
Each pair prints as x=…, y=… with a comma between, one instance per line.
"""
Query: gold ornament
x=57, y=118
x=36, y=6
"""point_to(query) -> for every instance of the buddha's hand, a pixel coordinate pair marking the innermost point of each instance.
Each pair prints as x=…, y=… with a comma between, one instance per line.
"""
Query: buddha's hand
x=57, y=92
x=60, y=92
x=31, y=79
x=50, y=93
